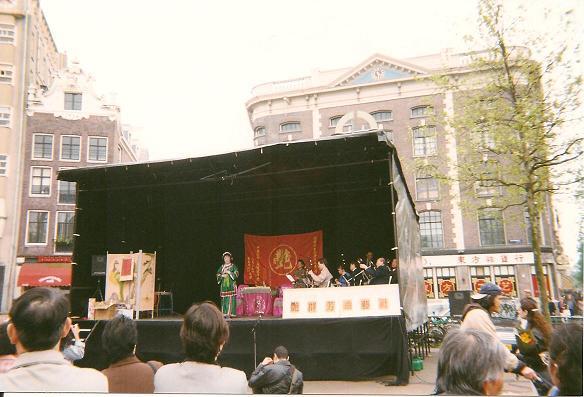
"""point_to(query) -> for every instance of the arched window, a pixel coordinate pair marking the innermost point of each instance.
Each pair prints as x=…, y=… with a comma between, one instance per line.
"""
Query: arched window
x=259, y=131
x=293, y=126
x=421, y=111
x=382, y=115
x=431, y=229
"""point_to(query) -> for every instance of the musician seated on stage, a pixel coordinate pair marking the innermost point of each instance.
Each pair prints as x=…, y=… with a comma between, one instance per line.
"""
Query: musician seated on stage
x=303, y=280
x=344, y=277
x=379, y=274
x=394, y=271
x=356, y=274
x=323, y=279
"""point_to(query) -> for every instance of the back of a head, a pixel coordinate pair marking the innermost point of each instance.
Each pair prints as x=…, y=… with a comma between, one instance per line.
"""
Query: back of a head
x=39, y=316
x=566, y=352
x=203, y=332
x=6, y=348
x=468, y=358
x=119, y=337
x=281, y=352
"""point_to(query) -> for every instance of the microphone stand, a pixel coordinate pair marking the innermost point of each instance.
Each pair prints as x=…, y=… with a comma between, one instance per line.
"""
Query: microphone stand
x=253, y=331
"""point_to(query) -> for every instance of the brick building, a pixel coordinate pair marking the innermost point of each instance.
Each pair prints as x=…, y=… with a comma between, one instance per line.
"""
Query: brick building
x=462, y=247
x=68, y=126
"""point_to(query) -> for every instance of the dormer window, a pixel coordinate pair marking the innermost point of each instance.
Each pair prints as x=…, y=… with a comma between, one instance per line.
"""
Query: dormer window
x=73, y=101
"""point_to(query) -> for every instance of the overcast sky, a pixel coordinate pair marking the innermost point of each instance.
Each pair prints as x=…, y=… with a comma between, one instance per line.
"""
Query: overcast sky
x=183, y=69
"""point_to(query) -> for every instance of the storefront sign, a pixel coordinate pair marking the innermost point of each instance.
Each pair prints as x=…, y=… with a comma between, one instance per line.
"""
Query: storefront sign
x=54, y=259
x=479, y=259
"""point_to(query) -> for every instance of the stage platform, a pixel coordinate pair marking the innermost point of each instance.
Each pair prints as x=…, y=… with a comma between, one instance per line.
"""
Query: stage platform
x=323, y=349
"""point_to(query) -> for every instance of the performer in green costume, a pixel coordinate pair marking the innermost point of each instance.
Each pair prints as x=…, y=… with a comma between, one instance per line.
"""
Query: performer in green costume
x=227, y=275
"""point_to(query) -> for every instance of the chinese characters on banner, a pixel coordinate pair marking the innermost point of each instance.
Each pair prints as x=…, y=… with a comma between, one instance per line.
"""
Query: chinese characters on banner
x=507, y=285
x=477, y=282
x=429, y=287
x=445, y=285
x=268, y=259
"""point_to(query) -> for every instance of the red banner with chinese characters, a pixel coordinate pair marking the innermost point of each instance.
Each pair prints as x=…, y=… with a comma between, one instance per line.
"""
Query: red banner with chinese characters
x=445, y=285
x=536, y=287
x=507, y=285
x=478, y=282
x=268, y=259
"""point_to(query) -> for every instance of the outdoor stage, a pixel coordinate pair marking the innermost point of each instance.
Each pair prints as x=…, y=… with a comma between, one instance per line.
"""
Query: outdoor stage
x=323, y=349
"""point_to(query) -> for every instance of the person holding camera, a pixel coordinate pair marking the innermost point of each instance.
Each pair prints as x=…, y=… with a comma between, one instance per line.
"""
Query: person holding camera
x=276, y=375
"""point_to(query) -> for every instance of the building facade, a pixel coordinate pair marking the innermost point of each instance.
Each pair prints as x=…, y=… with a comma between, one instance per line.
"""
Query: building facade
x=28, y=56
x=68, y=126
x=462, y=247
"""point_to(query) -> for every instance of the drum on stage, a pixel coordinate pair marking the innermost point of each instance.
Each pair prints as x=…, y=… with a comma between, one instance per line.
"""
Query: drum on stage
x=257, y=300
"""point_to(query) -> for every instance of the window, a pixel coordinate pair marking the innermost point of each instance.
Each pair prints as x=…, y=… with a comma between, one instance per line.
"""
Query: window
x=431, y=229
x=42, y=147
x=528, y=228
x=70, y=148
x=73, y=101
x=478, y=276
x=333, y=121
x=487, y=187
x=259, y=131
x=505, y=279
x=487, y=140
x=290, y=127
x=446, y=278
x=65, y=225
x=3, y=164
x=422, y=111
x=41, y=181
x=36, y=227
x=348, y=127
x=382, y=115
x=97, y=149
x=491, y=227
x=5, y=73
x=424, y=141
x=427, y=187
x=6, y=34
x=4, y=116
x=259, y=141
x=67, y=192
x=429, y=283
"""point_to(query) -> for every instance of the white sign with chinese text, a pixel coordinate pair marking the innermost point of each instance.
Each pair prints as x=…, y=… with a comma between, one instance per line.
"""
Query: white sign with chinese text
x=514, y=258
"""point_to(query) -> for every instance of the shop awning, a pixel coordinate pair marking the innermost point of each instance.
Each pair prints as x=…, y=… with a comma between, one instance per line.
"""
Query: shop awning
x=45, y=275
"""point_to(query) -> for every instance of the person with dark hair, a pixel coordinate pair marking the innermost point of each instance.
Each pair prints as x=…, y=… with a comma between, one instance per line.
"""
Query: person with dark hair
x=565, y=364
x=380, y=274
x=38, y=321
x=203, y=333
x=344, y=277
x=323, y=277
x=477, y=315
x=275, y=375
x=533, y=337
x=356, y=273
x=227, y=275
x=7, y=349
x=471, y=362
x=126, y=373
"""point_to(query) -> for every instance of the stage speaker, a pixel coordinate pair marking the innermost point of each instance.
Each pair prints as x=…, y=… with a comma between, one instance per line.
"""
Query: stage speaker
x=98, y=265
x=457, y=300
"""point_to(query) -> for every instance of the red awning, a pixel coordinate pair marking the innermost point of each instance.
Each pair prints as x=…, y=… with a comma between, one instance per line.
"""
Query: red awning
x=45, y=275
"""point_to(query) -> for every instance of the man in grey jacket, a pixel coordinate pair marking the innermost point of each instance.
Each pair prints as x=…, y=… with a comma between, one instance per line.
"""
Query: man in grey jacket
x=276, y=375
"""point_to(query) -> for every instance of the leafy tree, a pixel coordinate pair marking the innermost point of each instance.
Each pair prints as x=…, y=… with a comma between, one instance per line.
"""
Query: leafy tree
x=510, y=120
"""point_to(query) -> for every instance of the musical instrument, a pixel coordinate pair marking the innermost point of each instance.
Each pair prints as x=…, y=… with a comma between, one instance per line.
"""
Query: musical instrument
x=314, y=267
x=366, y=277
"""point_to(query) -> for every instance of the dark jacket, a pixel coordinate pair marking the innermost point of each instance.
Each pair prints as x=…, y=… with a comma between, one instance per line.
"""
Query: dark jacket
x=131, y=375
x=275, y=379
x=380, y=275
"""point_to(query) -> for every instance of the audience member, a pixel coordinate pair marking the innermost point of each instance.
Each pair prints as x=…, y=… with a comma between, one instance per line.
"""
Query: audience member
x=204, y=332
x=471, y=362
x=38, y=321
x=565, y=364
x=533, y=336
x=72, y=347
x=276, y=375
x=126, y=373
x=478, y=315
x=7, y=349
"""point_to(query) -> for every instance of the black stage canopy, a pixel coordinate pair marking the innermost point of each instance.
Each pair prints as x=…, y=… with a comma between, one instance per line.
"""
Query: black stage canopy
x=192, y=210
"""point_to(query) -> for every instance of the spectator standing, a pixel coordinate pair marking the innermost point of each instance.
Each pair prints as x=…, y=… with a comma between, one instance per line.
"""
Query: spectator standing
x=204, y=332
x=126, y=373
x=276, y=375
x=7, y=349
x=565, y=364
x=38, y=321
x=471, y=362
x=478, y=315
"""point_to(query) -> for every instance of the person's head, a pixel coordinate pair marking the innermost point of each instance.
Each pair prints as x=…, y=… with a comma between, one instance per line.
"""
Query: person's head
x=526, y=293
x=322, y=263
x=369, y=255
x=119, y=338
x=489, y=297
x=6, y=348
x=529, y=311
x=341, y=269
x=227, y=257
x=565, y=364
x=280, y=353
x=204, y=332
x=301, y=264
x=38, y=320
x=353, y=266
x=394, y=263
x=471, y=362
x=380, y=262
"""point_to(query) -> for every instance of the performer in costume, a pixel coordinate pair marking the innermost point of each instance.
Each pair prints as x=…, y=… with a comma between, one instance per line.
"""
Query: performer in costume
x=227, y=275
